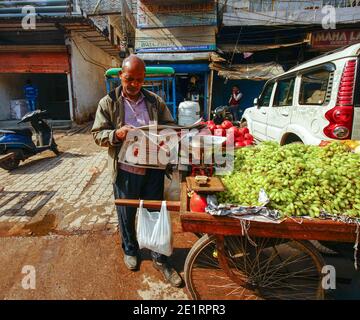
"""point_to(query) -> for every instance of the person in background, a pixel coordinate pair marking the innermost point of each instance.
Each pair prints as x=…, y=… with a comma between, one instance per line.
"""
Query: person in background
x=193, y=90
x=31, y=94
x=234, y=102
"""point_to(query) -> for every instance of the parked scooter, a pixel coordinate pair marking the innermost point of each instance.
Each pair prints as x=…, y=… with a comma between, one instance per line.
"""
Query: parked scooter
x=19, y=140
x=223, y=113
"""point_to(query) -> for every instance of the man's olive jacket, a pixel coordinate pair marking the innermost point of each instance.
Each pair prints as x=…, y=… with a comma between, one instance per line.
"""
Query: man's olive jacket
x=110, y=115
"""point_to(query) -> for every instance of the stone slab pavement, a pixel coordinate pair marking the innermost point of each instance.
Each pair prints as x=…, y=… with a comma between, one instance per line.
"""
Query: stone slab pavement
x=71, y=192
x=61, y=194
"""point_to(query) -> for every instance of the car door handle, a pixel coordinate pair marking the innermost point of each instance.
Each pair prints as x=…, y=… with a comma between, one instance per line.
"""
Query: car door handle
x=263, y=112
x=286, y=114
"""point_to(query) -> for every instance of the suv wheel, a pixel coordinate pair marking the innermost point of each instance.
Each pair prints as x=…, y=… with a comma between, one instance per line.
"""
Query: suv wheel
x=291, y=138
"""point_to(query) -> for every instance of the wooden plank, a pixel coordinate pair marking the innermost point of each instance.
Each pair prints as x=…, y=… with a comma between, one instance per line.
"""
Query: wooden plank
x=214, y=185
x=150, y=204
x=301, y=229
x=183, y=197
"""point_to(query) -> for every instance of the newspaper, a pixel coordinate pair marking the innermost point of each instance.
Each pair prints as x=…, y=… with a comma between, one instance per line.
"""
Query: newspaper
x=248, y=213
x=155, y=146
x=159, y=127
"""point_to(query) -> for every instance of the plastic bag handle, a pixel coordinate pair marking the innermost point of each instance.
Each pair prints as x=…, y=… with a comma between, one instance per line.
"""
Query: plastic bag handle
x=163, y=205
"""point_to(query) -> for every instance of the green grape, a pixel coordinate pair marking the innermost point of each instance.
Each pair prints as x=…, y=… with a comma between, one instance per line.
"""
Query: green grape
x=299, y=179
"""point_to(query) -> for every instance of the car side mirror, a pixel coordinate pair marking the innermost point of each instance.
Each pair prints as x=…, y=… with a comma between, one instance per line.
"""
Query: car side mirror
x=256, y=102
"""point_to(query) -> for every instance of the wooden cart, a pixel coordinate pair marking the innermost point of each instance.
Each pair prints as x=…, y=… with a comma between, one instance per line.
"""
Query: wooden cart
x=254, y=260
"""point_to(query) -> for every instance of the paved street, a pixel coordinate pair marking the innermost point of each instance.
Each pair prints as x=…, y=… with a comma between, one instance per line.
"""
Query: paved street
x=57, y=214
x=62, y=194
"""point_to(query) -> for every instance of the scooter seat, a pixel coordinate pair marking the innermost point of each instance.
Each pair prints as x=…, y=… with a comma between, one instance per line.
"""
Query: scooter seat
x=21, y=131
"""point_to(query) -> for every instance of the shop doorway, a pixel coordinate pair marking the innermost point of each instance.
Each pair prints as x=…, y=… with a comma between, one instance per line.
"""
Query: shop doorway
x=191, y=87
x=53, y=93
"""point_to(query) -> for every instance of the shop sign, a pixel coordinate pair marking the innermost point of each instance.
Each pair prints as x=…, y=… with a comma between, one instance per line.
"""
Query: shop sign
x=158, y=15
x=335, y=38
x=182, y=39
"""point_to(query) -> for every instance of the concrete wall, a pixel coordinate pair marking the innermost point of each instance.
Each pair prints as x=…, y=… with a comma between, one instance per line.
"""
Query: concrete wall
x=88, y=64
x=11, y=88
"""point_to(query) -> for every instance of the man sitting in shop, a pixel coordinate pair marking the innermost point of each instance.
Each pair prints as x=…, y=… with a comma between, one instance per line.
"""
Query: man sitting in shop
x=131, y=105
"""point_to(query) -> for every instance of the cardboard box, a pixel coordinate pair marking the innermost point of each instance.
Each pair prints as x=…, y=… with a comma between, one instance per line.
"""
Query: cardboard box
x=18, y=108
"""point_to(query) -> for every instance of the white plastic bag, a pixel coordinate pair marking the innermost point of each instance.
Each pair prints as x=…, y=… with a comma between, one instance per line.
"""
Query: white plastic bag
x=154, y=230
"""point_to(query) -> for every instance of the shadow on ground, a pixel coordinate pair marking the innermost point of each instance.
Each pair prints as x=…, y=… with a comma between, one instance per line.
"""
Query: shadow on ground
x=19, y=201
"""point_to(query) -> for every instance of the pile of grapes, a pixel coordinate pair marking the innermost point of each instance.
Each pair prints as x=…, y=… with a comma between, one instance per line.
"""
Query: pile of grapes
x=298, y=179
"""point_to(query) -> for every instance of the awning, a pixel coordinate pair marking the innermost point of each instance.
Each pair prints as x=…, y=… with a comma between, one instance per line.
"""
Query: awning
x=231, y=47
x=34, y=62
x=256, y=71
x=79, y=24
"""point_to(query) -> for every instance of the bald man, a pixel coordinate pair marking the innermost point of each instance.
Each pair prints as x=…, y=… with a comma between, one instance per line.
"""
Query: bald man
x=127, y=106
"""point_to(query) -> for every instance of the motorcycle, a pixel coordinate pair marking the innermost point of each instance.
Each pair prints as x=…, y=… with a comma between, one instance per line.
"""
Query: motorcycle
x=223, y=113
x=18, y=141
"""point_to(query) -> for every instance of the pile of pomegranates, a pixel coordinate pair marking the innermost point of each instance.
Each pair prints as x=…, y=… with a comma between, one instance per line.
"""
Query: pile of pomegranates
x=238, y=137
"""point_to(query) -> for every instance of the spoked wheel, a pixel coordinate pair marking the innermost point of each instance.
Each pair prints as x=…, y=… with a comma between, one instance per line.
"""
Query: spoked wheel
x=236, y=269
x=203, y=274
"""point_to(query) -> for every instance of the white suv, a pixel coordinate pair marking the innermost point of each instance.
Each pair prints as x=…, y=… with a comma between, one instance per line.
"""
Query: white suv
x=317, y=100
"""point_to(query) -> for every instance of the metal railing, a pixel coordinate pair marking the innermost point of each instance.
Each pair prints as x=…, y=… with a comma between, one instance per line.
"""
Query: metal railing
x=9, y=9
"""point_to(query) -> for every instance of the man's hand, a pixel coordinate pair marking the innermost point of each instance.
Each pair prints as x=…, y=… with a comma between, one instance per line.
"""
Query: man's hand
x=122, y=132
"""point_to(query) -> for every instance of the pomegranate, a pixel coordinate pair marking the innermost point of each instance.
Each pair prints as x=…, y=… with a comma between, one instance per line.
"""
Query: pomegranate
x=226, y=124
x=198, y=203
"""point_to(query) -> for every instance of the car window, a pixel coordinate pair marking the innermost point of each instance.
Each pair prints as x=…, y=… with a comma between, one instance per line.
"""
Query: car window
x=313, y=87
x=284, y=92
x=265, y=97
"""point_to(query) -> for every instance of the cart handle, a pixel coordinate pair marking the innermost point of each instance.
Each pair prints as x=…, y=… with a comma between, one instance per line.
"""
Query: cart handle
x=149, y=204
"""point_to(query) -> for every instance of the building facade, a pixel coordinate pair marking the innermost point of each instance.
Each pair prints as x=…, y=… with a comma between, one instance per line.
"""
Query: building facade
x=181, y=35
x=275, y=35
x=63, y=48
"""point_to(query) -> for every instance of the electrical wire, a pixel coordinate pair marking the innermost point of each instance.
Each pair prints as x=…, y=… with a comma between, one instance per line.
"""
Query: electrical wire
x=237, y=41
x=89, y=60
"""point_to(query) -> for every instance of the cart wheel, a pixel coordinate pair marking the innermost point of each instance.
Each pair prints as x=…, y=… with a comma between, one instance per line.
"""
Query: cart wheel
x=235, y=269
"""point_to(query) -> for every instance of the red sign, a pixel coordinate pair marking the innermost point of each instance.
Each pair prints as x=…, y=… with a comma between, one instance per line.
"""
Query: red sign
x=334, y=38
